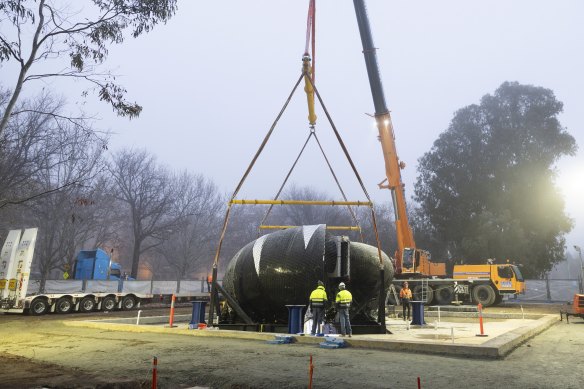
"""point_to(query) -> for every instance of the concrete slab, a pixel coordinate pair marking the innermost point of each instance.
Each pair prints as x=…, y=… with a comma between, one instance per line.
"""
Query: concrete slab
x=454, y=336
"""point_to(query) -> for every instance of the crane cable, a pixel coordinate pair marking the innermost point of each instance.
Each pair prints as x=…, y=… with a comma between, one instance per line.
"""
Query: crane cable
x=311, y=33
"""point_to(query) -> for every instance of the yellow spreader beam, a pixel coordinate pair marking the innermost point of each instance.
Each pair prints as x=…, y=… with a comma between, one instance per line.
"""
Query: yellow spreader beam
x=302, y=202
x=348, y=228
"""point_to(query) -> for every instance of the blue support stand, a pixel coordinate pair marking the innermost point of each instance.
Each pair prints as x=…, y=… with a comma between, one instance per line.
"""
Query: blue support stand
x=418, y=313
x=198, y=315
x=295, y=318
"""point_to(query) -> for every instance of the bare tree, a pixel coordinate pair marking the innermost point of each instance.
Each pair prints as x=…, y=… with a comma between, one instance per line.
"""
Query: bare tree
x=149, y=192
x=193, y=238
x=43, y=30
x=26, y=146
x=65, y=217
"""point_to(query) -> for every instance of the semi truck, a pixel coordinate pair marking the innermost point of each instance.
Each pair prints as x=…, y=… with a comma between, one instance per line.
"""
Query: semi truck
x=96, y=265
x=486, y=284
x=92, y=265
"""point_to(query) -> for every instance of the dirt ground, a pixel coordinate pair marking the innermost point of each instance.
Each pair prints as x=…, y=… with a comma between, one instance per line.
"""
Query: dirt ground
x=41, y=352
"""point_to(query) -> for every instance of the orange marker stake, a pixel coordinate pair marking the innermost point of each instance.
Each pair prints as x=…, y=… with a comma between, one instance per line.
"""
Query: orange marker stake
x=154, y=372
x=171, y=311
x=480, y=307
x=310, y=371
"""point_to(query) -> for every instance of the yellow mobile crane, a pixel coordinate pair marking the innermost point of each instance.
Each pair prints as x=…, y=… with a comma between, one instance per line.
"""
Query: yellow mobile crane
x=481, y=283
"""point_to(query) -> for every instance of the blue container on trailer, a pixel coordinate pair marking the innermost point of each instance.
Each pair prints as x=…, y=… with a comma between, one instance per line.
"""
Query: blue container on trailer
x=94, y=265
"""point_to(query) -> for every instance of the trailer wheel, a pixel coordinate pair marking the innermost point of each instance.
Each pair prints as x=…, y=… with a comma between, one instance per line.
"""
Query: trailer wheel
x=128, y=303
x=423, y=290
x=64, y=305
x=484, y=294
x=108, y=303
x=444, y=294
x=39, y=306
x=87, y=304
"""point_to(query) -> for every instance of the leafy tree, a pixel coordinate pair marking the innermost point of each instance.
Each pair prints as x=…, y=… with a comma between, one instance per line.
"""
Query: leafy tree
x=486, y=188
x=35, y=31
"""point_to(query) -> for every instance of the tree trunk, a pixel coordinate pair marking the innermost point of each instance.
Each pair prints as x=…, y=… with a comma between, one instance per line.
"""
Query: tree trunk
x=136, y=260
x=43, y=280
x=23, y=70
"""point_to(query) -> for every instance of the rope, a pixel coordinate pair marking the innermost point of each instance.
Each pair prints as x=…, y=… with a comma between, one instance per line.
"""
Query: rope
x=267, y=137
x=339, y=186
x=341, y=142
x=348, y=156
x=287, y=176
x=252, y=163
x=311, y=33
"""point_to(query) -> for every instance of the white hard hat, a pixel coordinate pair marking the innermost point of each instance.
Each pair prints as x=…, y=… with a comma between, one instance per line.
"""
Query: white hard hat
x=342, y=285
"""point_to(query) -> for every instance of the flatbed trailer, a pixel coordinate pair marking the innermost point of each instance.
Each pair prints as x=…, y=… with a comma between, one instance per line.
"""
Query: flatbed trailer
x=18, y=293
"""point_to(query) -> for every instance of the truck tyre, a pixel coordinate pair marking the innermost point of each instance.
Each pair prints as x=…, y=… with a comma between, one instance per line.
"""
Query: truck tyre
x=128, y=303
x=483, y=294
x=87, y=304
x=39, y=306
x=444, y=294
x=108, y=303
x=498, y=298
x=64, y=305
x=423, y=290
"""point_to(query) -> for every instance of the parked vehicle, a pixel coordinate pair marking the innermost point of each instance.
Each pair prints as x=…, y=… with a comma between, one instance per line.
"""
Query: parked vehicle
x=576, y=309
x=96, y=265
x=487, y=284
x=92, y=266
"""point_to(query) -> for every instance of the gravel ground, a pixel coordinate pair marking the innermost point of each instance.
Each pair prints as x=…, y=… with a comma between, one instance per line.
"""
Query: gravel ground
x=42, y=352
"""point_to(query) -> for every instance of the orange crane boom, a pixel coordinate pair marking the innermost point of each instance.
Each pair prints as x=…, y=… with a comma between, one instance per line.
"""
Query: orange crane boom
x=409, y=259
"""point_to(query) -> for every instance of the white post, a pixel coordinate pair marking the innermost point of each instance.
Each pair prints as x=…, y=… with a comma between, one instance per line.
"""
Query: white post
x=438, y=313
x=138, y=317
x=452, y=334
x=522, y=313
x=435, y=330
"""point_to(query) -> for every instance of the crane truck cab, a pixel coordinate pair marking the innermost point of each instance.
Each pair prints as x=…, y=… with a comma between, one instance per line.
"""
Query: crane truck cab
x=504, y=280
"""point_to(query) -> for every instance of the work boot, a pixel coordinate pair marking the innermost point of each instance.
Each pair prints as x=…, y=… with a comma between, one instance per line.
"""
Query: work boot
x=350, y=335
x=343, y=335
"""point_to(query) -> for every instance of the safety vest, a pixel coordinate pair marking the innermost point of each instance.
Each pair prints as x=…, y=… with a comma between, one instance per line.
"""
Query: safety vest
x=344, y=299
x=318, y=297
x=405, y=293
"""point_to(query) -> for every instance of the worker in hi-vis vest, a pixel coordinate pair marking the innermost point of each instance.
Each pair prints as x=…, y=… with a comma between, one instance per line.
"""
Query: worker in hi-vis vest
x=405, y=294
x=343, y=301
x=317, y=300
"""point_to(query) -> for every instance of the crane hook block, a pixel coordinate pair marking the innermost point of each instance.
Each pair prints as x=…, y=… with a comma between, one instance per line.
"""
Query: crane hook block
x=308, y=88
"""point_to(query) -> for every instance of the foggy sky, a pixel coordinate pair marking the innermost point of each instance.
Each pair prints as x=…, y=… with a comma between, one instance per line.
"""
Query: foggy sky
x=214, y=78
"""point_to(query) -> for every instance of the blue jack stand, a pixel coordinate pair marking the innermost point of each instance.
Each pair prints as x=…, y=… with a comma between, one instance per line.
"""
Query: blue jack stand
x=198, y=315
x=295, y=318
